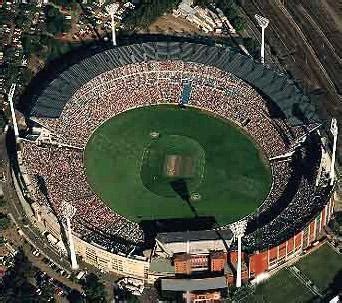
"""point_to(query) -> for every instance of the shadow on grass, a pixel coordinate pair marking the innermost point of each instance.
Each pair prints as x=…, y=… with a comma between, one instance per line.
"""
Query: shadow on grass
x=181, y=188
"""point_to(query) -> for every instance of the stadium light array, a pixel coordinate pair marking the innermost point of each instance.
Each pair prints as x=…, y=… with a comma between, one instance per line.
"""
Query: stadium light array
x=239, y=228
x=263, y=23
x=334, y=131
x=68, y=211
x=112, y=9
x=14, y=118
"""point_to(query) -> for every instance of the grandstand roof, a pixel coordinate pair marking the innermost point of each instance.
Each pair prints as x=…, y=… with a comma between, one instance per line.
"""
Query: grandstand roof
x=194, y=242
x=192, y=236
x=296, y=107
x=193, y=284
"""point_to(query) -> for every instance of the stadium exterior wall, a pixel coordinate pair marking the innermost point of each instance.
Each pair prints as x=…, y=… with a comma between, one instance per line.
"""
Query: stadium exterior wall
x=269, y=259
x=109, y=262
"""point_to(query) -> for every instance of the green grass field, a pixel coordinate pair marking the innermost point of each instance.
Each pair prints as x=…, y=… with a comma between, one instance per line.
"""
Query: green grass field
x=282, y=288
x=158, y=169
x=126, y=166
x=322, y=266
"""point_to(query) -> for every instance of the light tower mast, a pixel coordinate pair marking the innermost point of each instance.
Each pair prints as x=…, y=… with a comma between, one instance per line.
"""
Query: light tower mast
x=112, y=9
x=14, y=119
x=334, y=131
x=238, y=229
x=68, y=211
x=263, y=23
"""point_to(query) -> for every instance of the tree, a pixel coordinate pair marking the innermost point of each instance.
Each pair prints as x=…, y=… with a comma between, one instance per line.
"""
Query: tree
x=75, y=297
x=4, y=221
x=55, y=21
x=3, y=121
x=65, y=3
x=47, y=293
x=147, y=12
x=31, y=44
x=2, y=240
x=26, y=76
x=229, y=8
x=15, y=287
x=336, y=223
x=251, y=44
x=94, y=289
x=203, y=3
x=131, y=298
x=239, y=24
x=2, y=200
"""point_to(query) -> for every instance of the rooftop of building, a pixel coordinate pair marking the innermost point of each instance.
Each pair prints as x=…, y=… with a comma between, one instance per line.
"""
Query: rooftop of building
x=159, y=264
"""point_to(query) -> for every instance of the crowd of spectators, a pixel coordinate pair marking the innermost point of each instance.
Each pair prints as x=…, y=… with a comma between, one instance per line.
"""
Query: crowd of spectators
x=63, y=174
x=160, y=82
x=299, y=201
x=153, y=83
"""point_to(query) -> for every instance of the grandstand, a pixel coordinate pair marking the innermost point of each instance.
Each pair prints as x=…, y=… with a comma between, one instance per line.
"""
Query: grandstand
x=264, y=104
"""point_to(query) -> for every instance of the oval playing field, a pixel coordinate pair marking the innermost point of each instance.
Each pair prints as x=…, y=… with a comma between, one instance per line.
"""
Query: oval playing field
x=163, y=162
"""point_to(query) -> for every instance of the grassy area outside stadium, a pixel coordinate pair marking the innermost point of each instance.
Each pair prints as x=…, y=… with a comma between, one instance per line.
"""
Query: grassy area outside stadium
x=164, y=162
x=323, y=267
x=282, y=288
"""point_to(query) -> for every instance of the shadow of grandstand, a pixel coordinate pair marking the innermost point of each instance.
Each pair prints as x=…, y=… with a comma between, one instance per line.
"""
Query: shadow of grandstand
x=43, y=188
x=276, y=112
x=334, y=288
x=303, y=168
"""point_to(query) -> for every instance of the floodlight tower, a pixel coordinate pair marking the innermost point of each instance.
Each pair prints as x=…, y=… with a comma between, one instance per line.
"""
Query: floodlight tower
x=334, y=131
x=263, y=23
x=238, y=229
x=112, y=9
x=14, y=119
x=68, y=211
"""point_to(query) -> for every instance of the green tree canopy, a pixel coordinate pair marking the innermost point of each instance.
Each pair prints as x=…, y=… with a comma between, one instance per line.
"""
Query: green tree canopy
x=147, y=12
x=229, y=8
x=65, y=3
x=4, y=221
x=3, y=121
x=94, y=289
x=47, y=293
x=75, y=296
x=55, y=21
x=203, y=3
x=15, y=287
